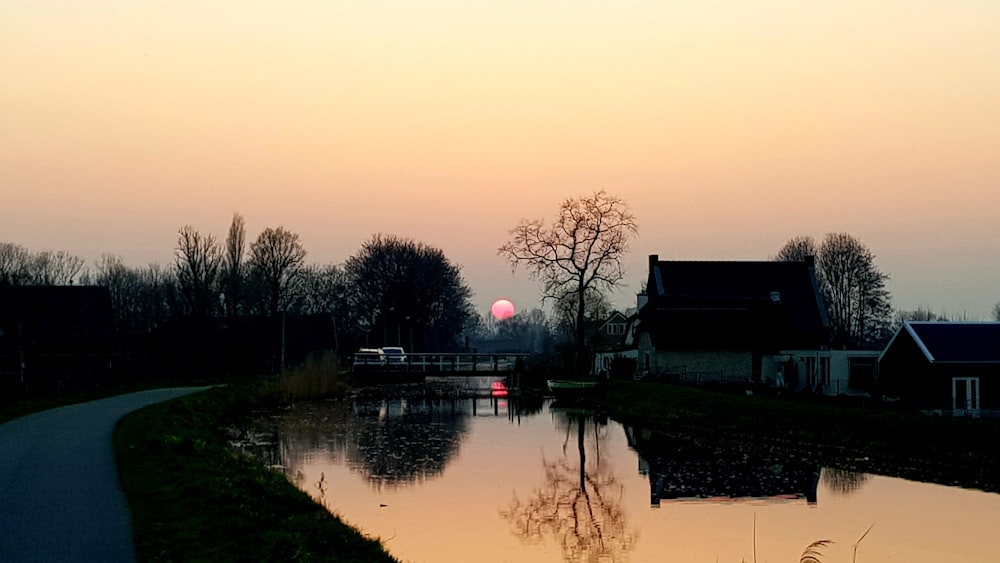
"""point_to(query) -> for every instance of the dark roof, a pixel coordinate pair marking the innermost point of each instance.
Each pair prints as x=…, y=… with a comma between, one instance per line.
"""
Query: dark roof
x=740, y=295
x=940, y=342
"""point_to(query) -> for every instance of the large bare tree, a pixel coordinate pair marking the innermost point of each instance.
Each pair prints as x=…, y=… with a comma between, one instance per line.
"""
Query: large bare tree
x=277, y=258
x=579, y=253
x=198, y=259
x=858, y=304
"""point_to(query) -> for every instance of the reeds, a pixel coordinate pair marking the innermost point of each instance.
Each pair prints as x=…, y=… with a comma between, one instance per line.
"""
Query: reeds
x=318, y=377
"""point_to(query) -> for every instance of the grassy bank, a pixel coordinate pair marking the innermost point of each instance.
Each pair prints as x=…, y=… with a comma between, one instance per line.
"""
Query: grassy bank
x=950, y=451
x=195, y=499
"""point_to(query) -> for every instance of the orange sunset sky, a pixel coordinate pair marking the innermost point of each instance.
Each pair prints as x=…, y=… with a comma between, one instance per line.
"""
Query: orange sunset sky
x=728, y=126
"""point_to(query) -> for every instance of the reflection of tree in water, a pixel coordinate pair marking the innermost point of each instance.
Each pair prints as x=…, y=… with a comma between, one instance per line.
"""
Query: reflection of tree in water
x=841, y=481
x=404, y=449
x=390, y=444
x=579, y=505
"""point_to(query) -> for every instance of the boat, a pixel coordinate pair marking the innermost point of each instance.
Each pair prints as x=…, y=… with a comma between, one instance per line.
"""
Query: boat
x=571, y=388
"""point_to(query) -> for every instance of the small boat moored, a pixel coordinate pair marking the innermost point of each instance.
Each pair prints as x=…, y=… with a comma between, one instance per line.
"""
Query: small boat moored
x=571, y=388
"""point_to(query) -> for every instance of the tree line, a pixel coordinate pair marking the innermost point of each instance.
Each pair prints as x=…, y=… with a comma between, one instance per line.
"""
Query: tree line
x=392, y=291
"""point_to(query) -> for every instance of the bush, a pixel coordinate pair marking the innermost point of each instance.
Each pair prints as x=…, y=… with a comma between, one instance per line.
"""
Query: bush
x=316, y=378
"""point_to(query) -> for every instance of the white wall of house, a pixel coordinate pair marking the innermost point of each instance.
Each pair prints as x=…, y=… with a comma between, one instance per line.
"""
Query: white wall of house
x=602, y=360
x=726, y=365
x=826, y=371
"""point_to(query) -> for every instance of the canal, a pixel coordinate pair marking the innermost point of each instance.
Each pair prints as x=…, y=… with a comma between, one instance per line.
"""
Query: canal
x=495, y=479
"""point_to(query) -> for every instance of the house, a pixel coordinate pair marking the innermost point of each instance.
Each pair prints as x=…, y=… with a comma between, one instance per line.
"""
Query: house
x=720, y=319
x=740, y=321
x=615, y=346
x=613, y=327
x=943, y=367
x=55, y=338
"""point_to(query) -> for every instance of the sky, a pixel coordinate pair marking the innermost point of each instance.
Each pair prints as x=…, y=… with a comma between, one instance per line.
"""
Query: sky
x=728, y=127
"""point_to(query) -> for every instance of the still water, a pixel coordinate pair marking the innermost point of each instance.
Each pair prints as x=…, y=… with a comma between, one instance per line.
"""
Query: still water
x=492, y=479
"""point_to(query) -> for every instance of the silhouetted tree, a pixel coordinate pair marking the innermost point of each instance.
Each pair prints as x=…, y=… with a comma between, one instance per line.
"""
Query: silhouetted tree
x=797, y=250
x=919, y=314
x=276, y=260
x=407, y=293
x=55, y=268
x=858, y=304
x=141, y=298
x=232, y=265
x=197, y=259
x=996, y=312
x=19, y=266
x=15, y=264
x=581, y=252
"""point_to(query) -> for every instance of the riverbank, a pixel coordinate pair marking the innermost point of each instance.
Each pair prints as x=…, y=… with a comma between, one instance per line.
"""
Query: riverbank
x=193, y=498
x=948, y=451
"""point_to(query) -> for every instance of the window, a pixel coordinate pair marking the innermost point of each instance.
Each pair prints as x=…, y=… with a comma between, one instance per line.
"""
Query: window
x=824, y=370
x=965, y=393
x=810, y=362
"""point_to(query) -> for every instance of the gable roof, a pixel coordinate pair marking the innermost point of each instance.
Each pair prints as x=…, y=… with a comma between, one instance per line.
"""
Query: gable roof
x=954, y=342
x=742, y=294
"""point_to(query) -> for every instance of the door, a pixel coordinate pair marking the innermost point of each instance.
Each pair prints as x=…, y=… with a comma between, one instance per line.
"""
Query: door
x=965, y=395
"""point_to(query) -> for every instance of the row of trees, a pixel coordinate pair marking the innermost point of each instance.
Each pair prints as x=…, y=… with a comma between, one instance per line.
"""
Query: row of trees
x=392, y=291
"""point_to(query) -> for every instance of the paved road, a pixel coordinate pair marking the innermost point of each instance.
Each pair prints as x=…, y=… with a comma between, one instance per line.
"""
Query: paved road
x=59, y=493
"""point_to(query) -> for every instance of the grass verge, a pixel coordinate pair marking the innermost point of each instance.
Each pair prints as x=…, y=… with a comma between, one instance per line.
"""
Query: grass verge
x=193, y=498
x=949, y=451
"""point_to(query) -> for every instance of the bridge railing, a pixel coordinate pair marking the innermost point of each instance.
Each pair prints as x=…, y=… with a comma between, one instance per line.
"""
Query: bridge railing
x=453, y=362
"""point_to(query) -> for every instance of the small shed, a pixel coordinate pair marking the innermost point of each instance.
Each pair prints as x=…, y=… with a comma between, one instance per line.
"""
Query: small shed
x=944, y=367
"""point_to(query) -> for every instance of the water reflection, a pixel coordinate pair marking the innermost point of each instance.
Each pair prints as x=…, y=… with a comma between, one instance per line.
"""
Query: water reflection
x=580, y=503
x=485, y=480
x=843, y=482
x=682, y=467
x=391, y=443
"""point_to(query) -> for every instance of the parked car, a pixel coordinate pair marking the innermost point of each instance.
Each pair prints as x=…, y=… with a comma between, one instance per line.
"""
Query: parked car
x=369, y=358
x=394, y=356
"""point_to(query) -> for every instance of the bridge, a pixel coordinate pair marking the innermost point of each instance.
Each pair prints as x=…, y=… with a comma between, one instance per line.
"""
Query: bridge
x=455, y=364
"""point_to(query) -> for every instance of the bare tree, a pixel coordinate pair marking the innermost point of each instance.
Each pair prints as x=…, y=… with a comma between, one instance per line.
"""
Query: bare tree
x=232, y=265
x=15, y=264
x=277, y=258
x=797, y=250
x=858, y=304
x=198, y=259
x=141, y=299
x=581, y=252
x=996, y=312
x=55, y=268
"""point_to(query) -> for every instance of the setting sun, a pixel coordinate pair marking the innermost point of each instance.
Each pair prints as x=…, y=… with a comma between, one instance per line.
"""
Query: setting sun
x=502, y=309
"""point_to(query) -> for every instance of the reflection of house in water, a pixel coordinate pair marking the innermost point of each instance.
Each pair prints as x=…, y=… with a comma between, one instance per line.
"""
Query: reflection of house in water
x=684, y=468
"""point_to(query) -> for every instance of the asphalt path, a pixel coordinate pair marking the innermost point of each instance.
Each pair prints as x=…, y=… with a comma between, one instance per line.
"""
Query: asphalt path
x=59, y=494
